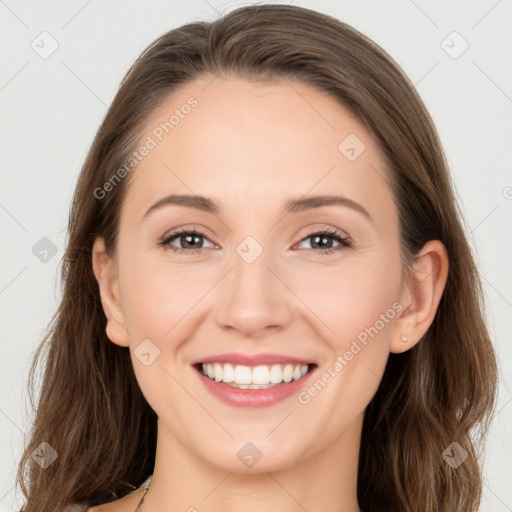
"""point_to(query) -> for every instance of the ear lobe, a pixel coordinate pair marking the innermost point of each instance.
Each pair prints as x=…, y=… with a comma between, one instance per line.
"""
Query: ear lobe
x=105, y=271
x=420, y=296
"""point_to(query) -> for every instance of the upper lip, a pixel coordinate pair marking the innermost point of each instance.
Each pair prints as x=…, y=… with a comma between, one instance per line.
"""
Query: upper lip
x=251, y=359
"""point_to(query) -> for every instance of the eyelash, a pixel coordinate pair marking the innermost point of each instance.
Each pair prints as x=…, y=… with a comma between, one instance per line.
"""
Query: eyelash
x=330, y=233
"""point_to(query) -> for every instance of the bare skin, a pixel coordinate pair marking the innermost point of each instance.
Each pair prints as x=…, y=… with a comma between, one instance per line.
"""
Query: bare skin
x=251, y=147
x=128, y=503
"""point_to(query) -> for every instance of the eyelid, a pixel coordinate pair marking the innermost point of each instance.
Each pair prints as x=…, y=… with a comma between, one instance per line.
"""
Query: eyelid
x=343, y=239
x=330, y=230
x=182, y=230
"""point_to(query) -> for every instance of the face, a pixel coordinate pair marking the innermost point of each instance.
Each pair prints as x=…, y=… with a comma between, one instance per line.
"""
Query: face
x=243, y=275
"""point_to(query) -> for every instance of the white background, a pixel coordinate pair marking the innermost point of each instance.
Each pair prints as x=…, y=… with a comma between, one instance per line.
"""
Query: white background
x=51, y=109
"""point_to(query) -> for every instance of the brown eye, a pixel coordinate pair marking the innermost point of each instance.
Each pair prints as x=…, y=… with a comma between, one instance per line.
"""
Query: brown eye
x=322, y=241
x=191, y=241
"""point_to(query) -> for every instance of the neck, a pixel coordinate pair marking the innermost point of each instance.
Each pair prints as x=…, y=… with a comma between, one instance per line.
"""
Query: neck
x=326, y=480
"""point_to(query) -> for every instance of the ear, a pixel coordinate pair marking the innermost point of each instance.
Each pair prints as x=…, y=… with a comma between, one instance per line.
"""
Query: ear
x=420, y=296
x=105, y=271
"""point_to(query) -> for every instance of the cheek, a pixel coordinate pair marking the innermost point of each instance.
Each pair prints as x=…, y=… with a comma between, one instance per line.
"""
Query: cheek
x=156, y=296
x=347, y=295
x=360, y=309
x=352, y=296
x=156, y=300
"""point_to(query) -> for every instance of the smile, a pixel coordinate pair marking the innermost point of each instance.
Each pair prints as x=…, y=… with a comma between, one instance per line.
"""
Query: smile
x=256, y=386
x=257, y=377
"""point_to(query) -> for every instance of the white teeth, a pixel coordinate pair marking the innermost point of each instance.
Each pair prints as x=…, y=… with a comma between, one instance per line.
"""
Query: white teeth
x=228, y=373
x=276, y=374
x=243, y=375
x=217, y=371
x=260, y=375
x=288, y=373
x=256, y=377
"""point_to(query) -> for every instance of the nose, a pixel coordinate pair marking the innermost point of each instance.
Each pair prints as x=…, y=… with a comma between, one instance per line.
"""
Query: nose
x=254, y=298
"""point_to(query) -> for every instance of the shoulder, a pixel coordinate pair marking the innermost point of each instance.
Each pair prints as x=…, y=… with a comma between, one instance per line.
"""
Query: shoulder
x=126, y=504
x=113, y=506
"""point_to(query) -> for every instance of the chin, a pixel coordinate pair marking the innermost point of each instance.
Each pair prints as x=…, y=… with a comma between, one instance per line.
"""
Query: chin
x=257, y=456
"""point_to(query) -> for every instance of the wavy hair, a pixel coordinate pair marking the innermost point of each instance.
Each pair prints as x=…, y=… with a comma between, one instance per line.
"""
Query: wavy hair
x=90, y=408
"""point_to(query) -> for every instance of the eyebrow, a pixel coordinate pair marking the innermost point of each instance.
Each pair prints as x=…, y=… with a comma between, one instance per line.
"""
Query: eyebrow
x=293, y=205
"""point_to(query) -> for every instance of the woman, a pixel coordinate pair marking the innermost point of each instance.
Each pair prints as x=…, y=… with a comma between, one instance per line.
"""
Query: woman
x=321, y=343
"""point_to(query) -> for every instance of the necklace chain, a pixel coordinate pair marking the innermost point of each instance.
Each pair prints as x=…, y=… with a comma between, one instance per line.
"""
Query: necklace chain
x=141, y=502
x=139, y=506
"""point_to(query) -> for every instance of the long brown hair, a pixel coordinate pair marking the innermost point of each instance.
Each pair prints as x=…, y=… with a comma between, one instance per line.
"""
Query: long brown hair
x=90, y=408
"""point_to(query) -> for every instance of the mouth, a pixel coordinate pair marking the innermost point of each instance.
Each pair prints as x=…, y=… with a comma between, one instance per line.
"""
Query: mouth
x=254, y=377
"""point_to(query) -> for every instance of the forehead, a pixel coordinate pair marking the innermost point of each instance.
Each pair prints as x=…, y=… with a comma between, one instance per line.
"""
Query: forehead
x=243, y=142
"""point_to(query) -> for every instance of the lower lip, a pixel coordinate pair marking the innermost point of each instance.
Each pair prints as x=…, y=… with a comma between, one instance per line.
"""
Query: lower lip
x=254, y=398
